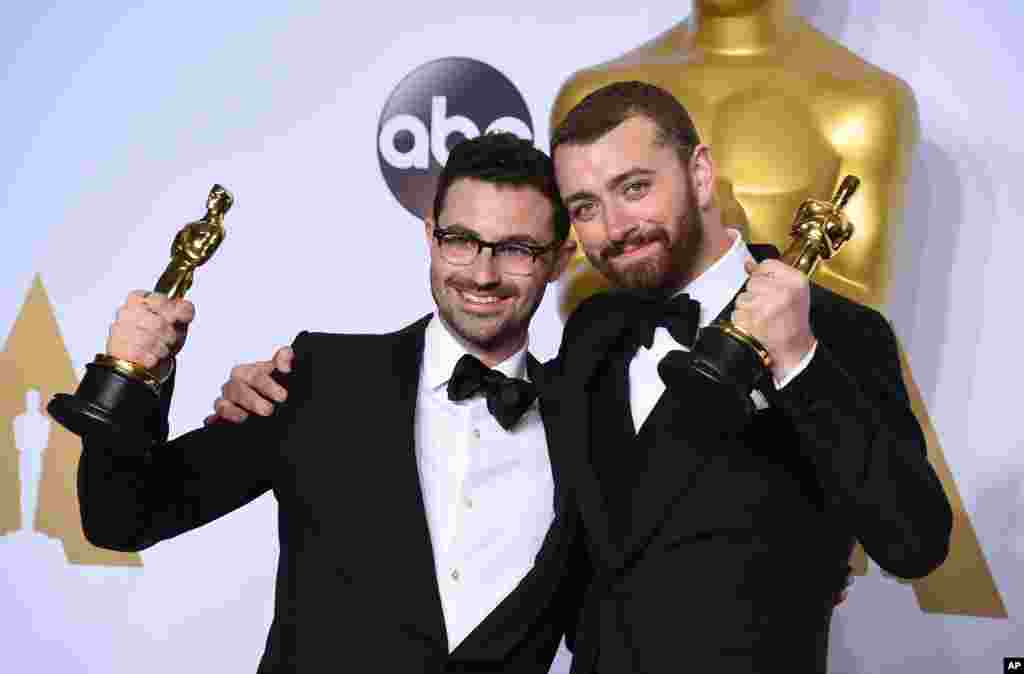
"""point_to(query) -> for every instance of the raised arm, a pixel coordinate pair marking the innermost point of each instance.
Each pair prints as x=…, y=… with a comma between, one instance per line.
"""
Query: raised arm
x=131, y=497
x=854, y=423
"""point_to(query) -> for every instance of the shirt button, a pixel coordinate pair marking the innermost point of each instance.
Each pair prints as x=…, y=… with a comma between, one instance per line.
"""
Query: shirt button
x=468, y=501
x=476, y=433
x=455, y=575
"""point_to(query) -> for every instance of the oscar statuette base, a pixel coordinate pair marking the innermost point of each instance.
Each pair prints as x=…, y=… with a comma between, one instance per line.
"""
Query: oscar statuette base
x=108, y=404
x=731, y=358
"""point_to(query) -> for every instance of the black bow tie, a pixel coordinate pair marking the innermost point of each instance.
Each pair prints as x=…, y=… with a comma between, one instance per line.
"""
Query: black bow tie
x=679, y=314
x=507, y=398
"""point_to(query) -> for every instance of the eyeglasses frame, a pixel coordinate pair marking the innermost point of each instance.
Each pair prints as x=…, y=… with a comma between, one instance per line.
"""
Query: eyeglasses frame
x=440, y=233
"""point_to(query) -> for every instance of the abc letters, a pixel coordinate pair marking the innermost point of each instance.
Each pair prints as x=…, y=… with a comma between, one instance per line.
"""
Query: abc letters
x=435, y=139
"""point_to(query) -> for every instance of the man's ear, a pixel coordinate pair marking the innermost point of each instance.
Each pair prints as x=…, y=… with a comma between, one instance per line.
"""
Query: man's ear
x=428, y=223
x=702, y=171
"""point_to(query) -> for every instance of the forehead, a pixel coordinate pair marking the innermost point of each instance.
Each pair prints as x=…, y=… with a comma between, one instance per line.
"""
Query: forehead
x=496, y=211
x=628, y=146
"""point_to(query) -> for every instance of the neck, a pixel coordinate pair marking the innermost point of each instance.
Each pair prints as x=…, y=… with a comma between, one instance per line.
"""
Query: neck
x=742, y=31
x=491, y=357
x=715, y=243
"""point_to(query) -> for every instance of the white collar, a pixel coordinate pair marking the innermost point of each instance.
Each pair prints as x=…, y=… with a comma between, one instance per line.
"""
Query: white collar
x=441, y=351
x=720, y=282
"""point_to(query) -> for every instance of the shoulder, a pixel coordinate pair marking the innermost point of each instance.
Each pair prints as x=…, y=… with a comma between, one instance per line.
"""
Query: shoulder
x=601, y=313
x=602, y=306
x=310, y=340
x=842, y=323
x=596, y=327
x=334, y=346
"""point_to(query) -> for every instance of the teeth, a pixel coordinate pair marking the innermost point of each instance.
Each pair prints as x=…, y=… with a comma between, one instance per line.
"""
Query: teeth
x=480, y=299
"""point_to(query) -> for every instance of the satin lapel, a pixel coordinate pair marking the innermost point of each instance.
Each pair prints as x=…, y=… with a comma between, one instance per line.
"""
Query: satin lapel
x=404, y=520
x=571, y=437
x=678, y=436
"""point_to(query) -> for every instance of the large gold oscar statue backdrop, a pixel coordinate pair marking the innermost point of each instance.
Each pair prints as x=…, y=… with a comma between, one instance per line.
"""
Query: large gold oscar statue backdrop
x=787, y=113
x=34, y=358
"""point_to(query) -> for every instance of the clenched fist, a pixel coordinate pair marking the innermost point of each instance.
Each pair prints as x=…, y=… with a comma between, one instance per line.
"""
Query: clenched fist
x=775, y=308
x=150, y=329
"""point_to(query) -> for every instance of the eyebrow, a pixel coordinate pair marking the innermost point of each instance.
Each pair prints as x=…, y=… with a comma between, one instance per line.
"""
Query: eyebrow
x=515, y=238
x=612, y=184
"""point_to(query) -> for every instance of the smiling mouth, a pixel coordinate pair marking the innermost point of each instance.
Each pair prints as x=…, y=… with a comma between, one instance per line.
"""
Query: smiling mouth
x=635, y=250
x=480, y=300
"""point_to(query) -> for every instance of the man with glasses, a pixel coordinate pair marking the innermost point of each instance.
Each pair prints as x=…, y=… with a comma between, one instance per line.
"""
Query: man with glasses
x=423, y=525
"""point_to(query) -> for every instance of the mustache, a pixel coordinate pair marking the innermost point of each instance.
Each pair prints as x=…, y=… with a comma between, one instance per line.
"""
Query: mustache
x=635, y=238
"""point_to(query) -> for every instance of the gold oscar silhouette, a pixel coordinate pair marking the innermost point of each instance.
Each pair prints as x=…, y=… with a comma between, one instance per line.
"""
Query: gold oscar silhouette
x=787, y=112
x=34, y=357
x=116, y=397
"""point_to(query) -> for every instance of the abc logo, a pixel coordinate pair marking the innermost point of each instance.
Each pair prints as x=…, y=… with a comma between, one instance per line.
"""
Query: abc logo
x=433, y=108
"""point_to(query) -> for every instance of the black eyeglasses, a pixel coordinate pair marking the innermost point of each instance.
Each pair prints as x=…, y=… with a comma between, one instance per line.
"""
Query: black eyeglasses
x=512, y=257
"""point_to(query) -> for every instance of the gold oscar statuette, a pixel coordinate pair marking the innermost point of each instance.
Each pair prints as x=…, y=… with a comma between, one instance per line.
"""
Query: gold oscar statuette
x=729, y=355
x=116, y=396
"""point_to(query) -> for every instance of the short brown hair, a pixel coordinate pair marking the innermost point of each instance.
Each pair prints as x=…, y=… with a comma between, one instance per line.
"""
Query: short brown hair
x=502, y=158
x=605, y=108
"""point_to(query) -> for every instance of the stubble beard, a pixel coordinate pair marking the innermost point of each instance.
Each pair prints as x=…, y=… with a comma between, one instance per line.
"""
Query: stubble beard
x=483, y=333
x=668, y=271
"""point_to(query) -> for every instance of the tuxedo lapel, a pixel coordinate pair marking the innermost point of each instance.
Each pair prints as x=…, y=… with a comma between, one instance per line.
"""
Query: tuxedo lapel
x=677, y=437
x=570, y=433
x=392, y=388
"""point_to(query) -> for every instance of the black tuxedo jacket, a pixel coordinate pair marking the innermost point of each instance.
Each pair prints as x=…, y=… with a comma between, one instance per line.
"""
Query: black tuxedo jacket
x=719, y=546
x=356, y=586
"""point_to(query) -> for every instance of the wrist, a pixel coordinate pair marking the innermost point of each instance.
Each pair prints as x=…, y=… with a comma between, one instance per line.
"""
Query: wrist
x=784, y=364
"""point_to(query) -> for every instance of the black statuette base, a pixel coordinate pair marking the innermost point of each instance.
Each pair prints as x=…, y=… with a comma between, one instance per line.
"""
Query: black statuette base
x=107, y=405
x=728, y=362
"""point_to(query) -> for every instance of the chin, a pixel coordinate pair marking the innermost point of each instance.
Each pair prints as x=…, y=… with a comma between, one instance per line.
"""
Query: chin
x=648, y=275
x=480, y=330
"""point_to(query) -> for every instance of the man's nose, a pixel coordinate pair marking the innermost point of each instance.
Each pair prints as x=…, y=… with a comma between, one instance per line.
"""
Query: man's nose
x=485, y=269
x=618, y=223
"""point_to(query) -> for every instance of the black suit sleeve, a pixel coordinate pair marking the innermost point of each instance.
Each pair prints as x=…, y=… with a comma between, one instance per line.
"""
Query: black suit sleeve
x=854, y=423
x=133, y=497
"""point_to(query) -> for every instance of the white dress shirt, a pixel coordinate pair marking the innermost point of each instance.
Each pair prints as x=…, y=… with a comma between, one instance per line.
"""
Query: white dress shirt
x=714, y=289
x=488, y=492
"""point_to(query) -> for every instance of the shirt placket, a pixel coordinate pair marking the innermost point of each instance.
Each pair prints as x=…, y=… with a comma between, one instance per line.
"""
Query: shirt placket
x=456, y=529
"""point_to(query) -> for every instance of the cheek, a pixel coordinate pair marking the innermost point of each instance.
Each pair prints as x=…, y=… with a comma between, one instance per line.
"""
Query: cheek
x=527, y=291
x=655, y=208
x=591, y=235
x=440, y=274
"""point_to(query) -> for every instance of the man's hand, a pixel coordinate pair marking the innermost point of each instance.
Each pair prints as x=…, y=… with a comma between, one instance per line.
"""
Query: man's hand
x=775, y=308
x=251, y=389
x=150, y=329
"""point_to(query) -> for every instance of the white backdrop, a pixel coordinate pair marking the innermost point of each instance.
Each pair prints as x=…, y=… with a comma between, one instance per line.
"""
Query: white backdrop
x=118, y=116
